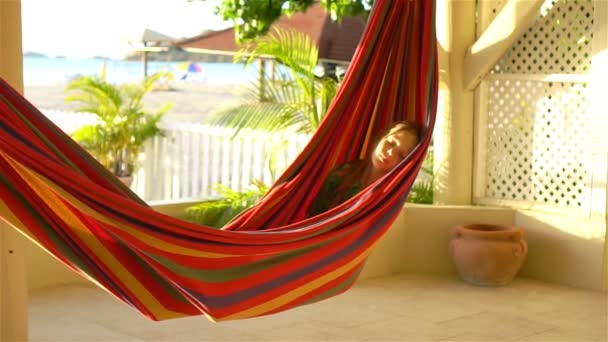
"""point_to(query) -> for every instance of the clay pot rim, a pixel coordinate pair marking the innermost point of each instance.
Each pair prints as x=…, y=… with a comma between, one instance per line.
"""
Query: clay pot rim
x=487, y=229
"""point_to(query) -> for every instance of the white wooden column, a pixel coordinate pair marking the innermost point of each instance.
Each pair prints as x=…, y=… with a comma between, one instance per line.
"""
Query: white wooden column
x=496, y=36
x=453, y=140
x=599, y=119
x=13, y=287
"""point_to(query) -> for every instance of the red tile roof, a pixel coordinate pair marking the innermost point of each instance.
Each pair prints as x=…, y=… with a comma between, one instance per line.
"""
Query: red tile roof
x=336, y=41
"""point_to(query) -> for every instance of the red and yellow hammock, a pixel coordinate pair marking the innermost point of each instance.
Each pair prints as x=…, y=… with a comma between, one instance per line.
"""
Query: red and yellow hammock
x=270, y=258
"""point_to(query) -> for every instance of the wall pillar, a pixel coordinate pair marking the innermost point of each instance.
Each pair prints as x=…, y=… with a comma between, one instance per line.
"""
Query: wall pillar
x=13, y=287
x=453, y=140
x=599, y=122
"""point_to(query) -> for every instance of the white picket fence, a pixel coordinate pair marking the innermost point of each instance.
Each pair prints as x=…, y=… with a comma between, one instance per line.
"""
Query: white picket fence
x=191, y=159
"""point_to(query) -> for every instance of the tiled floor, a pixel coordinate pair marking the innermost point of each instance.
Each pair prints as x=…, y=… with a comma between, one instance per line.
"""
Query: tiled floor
x=398, y=308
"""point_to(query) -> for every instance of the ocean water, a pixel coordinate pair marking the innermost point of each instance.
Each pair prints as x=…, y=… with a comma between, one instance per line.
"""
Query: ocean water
x=50, y=71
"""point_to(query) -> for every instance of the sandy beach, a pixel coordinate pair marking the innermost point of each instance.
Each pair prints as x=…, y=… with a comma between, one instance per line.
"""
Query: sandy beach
x=192, y=101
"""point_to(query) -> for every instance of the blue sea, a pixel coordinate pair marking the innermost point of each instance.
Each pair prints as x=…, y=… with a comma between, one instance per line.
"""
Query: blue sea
x=50, y=70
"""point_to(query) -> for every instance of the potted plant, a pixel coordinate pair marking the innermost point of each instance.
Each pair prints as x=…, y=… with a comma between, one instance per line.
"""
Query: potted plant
x=123, y=125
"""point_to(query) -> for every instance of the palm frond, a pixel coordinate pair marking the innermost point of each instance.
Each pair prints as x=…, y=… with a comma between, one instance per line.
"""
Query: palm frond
x=291, y=48
x=91, y=89
x=327, y=89
x=295, y=98
x=267, y=116
x=123, y=125
x=217, y=213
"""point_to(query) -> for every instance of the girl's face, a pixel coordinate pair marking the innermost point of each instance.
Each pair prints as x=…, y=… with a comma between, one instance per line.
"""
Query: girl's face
x=392, y=149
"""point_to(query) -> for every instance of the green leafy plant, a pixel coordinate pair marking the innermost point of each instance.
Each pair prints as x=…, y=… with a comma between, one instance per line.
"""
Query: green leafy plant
x=421, y=193
x=216, y=213
x=123, y=125
x=253, y=18
x=295, y=99
x=422, y=190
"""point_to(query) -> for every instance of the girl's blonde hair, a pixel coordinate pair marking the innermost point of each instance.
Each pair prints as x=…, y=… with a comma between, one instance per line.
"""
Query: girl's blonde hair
x=407, y=126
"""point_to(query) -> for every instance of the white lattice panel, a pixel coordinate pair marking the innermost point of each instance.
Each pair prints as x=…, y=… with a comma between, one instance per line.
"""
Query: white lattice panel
x=559, y=41
x=538, y=142
x=536, y=112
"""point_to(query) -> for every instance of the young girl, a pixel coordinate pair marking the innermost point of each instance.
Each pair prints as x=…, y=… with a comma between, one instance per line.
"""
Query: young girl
x=348, y=179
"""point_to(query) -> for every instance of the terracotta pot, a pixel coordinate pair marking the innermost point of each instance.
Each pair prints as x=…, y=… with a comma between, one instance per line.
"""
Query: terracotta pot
x=488, y=255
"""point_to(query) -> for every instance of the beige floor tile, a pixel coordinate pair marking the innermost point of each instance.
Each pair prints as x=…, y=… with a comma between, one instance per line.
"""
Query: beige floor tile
x=569, y=335
x=402, y=329
x=311, y=331
x=80, y=302
x=352, y=313
x=217, y=333
x=145, y=329
x=497, y=325
x=74, y=330
x=468, y=337
x=400, y=308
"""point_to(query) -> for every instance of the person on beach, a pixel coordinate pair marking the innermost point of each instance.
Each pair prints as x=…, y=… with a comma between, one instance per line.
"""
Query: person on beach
x=350, y=178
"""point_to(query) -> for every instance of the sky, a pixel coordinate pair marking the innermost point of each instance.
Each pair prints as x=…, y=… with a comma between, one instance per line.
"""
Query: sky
x=111, y=28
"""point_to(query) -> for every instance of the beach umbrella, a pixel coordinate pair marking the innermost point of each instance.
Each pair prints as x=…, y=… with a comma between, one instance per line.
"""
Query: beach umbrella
x=195, y=67
x=191, y=67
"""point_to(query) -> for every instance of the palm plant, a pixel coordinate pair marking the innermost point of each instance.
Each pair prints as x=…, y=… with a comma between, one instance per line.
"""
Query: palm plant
x=216, y=213
x=294, y=100
x=297, y=99
x=123, y=125
x=422, y=190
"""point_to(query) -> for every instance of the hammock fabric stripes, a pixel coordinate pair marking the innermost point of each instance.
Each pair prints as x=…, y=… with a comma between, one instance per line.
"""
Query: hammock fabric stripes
x=269, y=259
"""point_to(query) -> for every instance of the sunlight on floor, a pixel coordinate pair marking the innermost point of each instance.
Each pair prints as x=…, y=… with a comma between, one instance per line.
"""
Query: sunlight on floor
x=398, y=308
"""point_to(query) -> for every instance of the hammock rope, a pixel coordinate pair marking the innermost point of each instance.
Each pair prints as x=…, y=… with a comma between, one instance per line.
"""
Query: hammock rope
x=269, y=259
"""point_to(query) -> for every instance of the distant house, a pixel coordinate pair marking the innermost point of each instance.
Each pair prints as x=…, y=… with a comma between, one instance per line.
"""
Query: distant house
x=337, y=42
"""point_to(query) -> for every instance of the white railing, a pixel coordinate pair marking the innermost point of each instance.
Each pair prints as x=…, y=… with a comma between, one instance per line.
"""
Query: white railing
x=191, y=159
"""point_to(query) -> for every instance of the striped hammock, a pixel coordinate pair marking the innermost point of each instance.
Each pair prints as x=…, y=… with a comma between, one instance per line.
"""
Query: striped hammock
x=269, y=259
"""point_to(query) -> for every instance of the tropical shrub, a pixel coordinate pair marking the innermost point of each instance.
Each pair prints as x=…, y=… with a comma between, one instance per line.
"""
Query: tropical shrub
x=294, y=98
x=422, y=190
x=123, y=125
x=216, y=213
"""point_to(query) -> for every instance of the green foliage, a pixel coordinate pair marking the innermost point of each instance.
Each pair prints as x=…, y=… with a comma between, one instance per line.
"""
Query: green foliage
x=123, y=125
x=422, y=190
x=296, y=99
x=217, y=213
x=421, y=193
x=253, y=18
x=347, y=8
